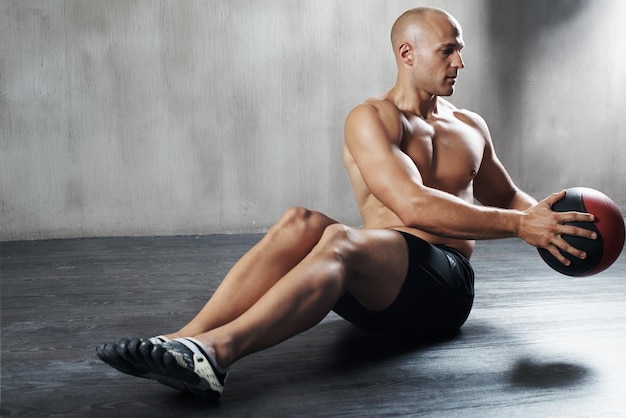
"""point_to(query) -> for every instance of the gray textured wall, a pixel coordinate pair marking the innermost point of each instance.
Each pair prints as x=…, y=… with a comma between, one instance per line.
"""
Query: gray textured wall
x=558, y=93
x=180, y=117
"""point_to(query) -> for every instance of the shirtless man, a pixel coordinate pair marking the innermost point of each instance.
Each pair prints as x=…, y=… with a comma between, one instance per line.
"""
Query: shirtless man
x=416, y=164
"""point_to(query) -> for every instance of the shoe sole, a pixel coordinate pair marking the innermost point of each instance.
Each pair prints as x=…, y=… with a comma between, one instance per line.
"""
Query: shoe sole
x=134, y=357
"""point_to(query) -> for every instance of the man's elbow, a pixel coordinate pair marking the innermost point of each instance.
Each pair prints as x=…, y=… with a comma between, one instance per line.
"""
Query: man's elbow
x=415, y=216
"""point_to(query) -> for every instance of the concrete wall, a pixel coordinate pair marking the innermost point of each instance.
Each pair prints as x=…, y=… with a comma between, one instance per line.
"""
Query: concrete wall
x=558, y=93
x=189, y=117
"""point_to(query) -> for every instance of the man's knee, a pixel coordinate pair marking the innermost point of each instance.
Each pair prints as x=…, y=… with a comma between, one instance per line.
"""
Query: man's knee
x=337, y=242
x=302, y=220
x=296, y=214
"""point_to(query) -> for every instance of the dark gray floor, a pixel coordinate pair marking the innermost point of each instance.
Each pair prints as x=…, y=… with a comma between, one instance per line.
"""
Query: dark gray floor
x=536, y=344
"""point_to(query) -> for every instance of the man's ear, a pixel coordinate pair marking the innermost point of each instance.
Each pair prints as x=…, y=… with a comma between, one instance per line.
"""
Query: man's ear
x=406, y=51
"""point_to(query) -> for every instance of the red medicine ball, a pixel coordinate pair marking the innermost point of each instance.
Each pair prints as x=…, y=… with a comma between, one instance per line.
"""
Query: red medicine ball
x=608, y=224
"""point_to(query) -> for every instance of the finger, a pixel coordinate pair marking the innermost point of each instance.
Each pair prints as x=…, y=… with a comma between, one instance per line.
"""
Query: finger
x=565, y=217
x=552, y=249
x=555, y=197
x=566, y=247
x=577, y=231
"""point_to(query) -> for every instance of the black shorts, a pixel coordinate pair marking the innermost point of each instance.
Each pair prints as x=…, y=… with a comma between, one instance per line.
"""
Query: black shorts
x=436, y=297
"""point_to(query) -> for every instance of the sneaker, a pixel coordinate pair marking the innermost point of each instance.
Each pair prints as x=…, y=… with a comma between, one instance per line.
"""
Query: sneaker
x=189, y=361
x=134, y=357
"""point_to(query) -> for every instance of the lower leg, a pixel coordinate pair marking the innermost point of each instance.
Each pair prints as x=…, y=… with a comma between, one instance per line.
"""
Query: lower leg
x=370, y=264
x=283, y=247
x=294, y=304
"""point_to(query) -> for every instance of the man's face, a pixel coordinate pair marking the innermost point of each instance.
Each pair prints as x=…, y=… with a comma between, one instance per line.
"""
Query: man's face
x=438, y=57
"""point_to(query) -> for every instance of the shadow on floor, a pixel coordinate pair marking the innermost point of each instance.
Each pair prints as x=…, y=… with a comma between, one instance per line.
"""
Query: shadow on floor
x=531, y=373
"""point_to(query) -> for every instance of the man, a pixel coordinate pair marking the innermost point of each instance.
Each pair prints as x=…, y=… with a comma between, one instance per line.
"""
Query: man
x=416, y=164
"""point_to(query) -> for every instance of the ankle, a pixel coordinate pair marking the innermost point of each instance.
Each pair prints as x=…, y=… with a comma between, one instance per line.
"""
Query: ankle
x=173, y=335
x=219, y=349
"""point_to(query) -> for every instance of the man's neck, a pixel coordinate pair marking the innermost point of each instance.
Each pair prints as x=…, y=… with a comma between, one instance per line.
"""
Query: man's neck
x=414, y=102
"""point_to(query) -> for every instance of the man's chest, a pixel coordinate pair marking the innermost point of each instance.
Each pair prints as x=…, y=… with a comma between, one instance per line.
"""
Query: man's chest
x=447, y=153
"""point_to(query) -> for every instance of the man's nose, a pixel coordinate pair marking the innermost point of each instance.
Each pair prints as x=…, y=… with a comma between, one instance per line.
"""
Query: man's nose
x=458, y=62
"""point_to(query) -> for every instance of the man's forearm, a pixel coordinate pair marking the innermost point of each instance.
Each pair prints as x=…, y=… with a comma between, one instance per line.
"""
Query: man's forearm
x=521, y=201
x=443, y=214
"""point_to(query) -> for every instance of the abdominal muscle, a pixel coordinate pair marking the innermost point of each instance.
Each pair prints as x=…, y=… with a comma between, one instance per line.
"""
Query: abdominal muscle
x=382, y=218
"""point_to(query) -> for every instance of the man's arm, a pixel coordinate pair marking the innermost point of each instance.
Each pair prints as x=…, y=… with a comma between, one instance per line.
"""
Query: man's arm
x=393, y=178
x=493, y=186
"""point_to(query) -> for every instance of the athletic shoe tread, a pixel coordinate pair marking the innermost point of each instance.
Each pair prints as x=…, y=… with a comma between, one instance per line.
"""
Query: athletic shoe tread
x=134, y=357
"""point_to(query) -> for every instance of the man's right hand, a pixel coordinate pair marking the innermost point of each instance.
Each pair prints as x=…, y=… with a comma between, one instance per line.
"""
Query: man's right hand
x=542, y=227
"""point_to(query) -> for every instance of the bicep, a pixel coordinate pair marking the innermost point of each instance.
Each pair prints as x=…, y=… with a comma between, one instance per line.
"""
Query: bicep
x=389, y=174
x=493, y=185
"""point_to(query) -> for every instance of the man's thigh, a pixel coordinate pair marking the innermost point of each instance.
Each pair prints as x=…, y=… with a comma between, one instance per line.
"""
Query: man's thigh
x=378, y=265
x=435, y=294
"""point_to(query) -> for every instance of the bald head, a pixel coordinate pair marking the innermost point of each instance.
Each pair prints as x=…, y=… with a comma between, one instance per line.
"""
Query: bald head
x=413, y=23
x=427, y=45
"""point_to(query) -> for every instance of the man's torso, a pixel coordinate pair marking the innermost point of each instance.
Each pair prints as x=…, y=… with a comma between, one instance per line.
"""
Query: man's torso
x=447, y=150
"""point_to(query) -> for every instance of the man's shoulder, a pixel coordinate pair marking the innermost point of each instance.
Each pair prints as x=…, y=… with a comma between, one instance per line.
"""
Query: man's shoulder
x=378, y=109
x=376, y=115
x=466, y=116
x=380, y=105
